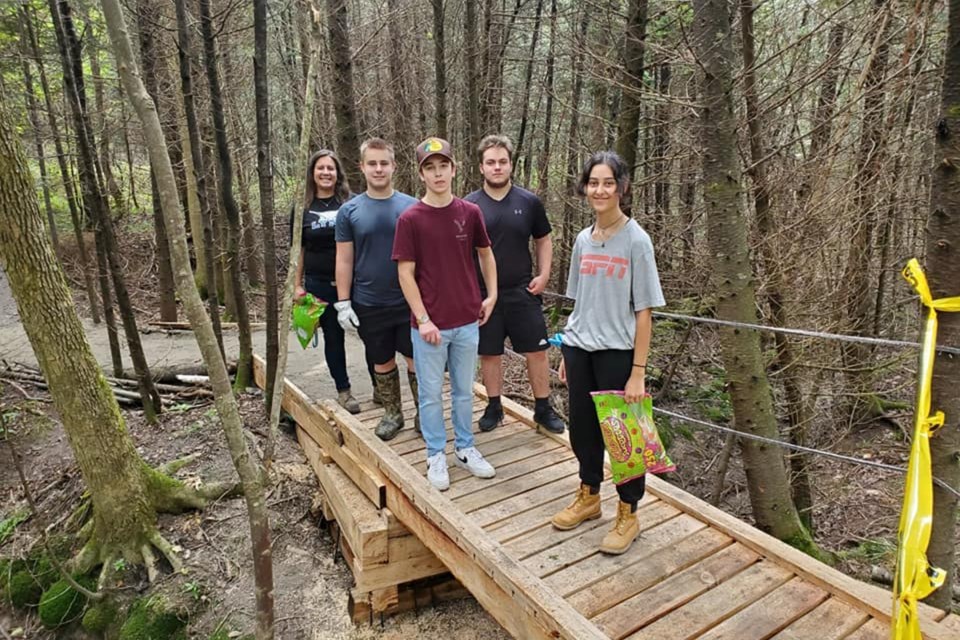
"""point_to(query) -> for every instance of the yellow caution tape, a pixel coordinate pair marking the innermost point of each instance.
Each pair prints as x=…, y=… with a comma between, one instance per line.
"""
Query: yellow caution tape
x=915, y=578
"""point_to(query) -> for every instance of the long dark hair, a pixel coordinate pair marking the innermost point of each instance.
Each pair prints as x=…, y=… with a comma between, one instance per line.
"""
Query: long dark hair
x=621, y=173
x=341, y=189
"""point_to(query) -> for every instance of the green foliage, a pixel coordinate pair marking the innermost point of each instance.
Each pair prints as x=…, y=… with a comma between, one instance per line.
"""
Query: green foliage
x=669, y=431
x=61, y=604
x=151, y=619
x=194, y=589
x=877, y=551
x=712, y=398
x=10, y=523
x=99, y=617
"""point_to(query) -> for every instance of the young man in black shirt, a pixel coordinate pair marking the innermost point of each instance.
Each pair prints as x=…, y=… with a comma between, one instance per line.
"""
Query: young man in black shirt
x=513, y=216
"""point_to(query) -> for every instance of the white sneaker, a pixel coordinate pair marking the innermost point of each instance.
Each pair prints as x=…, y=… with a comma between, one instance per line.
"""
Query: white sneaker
x=437, y=471
x=472, y=460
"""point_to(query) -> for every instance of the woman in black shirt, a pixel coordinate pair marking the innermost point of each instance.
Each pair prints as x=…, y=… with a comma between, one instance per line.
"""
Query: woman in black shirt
x=325, y=190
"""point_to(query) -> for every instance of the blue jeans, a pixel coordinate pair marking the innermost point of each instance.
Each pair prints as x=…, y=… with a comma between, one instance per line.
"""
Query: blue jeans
x=458, y=351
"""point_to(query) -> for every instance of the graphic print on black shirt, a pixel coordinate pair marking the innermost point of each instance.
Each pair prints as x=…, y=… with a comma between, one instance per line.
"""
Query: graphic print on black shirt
x=319, y=243
x=511, y=223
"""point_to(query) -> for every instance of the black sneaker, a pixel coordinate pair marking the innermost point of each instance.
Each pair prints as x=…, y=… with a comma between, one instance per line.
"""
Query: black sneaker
x=491, y=418
x=549, y=420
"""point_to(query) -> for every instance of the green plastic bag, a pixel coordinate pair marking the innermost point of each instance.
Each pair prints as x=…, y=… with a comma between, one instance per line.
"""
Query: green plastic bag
x=630, y=436
x=306, y=315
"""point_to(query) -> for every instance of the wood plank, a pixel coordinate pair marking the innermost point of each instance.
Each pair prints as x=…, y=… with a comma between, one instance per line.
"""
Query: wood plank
x=360, y=521
x=499, y=490
x=650, y=604
x=651, y=569
x=562, y=486
x=874, y=599
x=572, y=551
x=538, y=517
x=520, y=412
x=832, y=620
x=952, y=623
x=515, y=597
x=383, y=576
x=771, y=613
x=873, y=629
x=313, y=452
x=515, y=474
x=510, y=448
x=406, y=548
x=718, y=603
x=416, y=443
x=546, y=535
x=489, y=446
x=655, y=540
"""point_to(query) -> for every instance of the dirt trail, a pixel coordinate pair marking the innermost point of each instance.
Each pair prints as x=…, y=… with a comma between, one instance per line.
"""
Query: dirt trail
x=311, y=589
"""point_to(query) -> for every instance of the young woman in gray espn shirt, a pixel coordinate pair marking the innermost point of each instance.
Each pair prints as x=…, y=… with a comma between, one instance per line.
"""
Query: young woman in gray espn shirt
x=614, y=282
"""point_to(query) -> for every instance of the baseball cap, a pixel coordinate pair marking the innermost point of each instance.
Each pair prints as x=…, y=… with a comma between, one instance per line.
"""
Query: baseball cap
x=433, y=147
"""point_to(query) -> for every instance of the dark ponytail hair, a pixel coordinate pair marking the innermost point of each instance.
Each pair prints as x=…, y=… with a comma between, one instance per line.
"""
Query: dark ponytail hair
x=341, y=189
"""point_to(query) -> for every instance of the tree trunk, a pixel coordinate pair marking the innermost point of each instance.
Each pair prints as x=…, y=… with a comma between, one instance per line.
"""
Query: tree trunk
x=34, y=116
x=770, y=260
x=628, y=128
x=105, y=162
x=570, y=229
x=265, y=176
x=64, y=173
x=543, y=170
x=195, y=145
x=473, y=96
x=245, y=357
x=70, y=47
x=661, y=161
x=404, y=178
x=348, y=142
x=857, y=278
x=525, y=109
x=767, y=481
x=943, y=275
x=124, y=516
x=440, y=68
x=147, y=17
x=225, y=401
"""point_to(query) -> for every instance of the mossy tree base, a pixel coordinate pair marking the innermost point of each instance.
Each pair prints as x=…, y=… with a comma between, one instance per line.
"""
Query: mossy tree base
x=142, y=545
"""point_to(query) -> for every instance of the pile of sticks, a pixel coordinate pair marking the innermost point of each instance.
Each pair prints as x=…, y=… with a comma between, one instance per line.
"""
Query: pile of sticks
x=175, y=385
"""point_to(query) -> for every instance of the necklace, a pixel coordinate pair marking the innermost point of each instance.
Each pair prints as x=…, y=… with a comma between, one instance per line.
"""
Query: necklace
x=326, y=202
x=601, y=232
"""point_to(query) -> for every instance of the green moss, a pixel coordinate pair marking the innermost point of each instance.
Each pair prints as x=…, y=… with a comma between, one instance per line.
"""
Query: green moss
x=9, y=523
x=151, y=619
x=24, y=590
x=99, y=617
x=61, y=604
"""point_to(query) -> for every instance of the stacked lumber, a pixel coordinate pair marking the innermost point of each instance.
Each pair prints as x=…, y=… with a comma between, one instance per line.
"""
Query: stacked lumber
x=393, y=571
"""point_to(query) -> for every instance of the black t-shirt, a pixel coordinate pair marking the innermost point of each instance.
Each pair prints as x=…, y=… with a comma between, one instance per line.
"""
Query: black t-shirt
x=318, y=241
x=511, y=223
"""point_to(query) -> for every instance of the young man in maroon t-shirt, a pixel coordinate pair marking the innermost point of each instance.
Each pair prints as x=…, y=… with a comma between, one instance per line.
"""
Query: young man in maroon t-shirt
x=434, y=247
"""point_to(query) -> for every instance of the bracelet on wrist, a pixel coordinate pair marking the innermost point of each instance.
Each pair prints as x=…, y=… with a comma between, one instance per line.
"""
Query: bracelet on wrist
x=640, y=366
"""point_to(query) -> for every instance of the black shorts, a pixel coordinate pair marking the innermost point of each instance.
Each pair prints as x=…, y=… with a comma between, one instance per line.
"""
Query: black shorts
x=518, y=316
x=384, y=331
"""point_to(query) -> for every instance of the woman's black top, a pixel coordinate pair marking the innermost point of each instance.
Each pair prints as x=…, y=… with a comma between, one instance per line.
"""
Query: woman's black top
x=319, y=245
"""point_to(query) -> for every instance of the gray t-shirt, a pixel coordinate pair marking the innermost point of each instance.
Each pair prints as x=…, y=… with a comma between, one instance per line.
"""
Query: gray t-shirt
x=370, y=224
x=610, y=282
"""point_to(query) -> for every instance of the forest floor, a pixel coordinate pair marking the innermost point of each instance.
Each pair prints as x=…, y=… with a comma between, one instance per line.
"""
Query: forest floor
x=856, y=514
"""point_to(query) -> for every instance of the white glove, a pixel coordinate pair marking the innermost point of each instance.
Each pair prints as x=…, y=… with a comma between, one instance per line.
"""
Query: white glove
x=346, y=316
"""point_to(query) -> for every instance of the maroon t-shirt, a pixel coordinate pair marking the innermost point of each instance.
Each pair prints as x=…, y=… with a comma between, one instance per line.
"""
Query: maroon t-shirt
x=441, y=241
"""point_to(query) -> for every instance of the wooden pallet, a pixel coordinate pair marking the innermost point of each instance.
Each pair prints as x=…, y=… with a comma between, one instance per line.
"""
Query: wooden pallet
x=696, y=572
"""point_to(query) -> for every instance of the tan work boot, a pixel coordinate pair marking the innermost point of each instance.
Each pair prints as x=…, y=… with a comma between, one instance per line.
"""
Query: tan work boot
x=347, y=401
x=392, y=421
x=625, y=530
x=584, y=507
x=415, y=391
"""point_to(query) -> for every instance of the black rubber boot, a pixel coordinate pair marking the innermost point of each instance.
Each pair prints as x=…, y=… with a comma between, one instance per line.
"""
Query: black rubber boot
x=392, y=421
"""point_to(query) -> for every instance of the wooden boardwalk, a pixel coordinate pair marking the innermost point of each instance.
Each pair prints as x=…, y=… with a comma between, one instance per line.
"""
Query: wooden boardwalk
x=695, y=572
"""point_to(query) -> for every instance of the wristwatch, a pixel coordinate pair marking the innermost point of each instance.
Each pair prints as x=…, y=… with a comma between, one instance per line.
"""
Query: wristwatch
x=424, y=319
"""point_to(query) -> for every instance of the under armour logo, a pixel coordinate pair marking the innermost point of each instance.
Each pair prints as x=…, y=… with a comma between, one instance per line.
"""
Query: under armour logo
x=518, y=212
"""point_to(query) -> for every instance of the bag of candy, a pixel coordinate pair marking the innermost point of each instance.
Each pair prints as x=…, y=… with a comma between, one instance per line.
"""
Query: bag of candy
x=306, y=316
x=630, y=436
